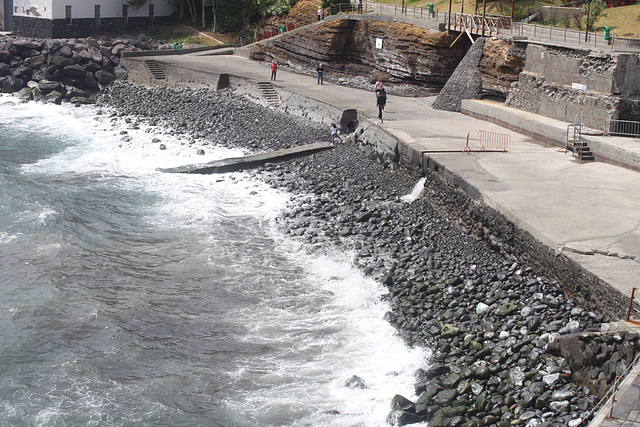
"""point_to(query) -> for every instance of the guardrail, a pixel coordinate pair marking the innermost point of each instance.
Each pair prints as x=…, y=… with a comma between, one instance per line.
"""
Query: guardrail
x=274, y=31
x=504, y=25
x=623, y=128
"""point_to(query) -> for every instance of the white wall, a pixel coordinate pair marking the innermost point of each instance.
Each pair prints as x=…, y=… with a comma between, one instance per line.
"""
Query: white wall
x=82, y=9
x=33, y=8
x=108, y=8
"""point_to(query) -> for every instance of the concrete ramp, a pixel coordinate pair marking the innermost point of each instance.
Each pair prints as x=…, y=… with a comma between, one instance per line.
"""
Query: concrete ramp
x=236, y=163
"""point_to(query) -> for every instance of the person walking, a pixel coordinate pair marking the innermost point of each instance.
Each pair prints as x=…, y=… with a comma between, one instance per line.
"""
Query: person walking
x=378, y=86
x=274, y=69
x=334, y=133
x=360, y=7
x=381, y=101
x=319, y=13
x=320, y=70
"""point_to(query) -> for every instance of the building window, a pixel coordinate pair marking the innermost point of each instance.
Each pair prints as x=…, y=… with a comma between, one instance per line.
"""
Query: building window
x=152, y=12
x=97, y=8
x=67, y=10
x=125, y=13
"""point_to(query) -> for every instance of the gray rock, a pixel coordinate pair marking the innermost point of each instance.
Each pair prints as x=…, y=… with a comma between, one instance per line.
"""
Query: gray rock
x=11, y=84
x=75, y=70
x=24, y=94
x=54, y=97
x=355, y=381
x=104, y=77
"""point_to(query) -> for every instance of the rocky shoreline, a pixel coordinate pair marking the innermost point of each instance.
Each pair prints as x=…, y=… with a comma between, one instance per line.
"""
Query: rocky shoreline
x=488, y=319
x=64, y=70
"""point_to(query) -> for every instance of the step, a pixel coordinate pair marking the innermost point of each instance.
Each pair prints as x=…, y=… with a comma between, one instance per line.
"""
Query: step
x=155, y=70
x=269, y=94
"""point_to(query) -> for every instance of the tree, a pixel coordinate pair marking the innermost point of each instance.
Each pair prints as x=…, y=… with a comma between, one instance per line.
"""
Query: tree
x=594, y=10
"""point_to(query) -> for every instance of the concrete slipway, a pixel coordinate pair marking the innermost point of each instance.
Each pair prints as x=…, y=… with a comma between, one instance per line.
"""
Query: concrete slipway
x=590, y=212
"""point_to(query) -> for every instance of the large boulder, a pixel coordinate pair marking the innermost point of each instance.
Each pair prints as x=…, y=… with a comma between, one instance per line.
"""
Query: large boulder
x=5, y=70
x=90, y=81
x=22, y=72
x=54, y=97
x=35, y=62
x=48, y=85
x=51, y=46
x=91, y=55
x=104, y=77
x=28, y=44
x=75, y=70
x=66, y=51
x=11, y=84
x=5, y=56
x=24, y=94
x=61, y=61
x=118, y=49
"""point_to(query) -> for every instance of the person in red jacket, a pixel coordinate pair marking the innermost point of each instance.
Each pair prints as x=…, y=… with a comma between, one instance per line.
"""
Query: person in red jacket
x=274, y=68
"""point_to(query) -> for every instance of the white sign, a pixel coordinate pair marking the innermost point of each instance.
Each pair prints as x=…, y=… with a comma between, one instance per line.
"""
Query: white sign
x=578, y=86
x=378, y=43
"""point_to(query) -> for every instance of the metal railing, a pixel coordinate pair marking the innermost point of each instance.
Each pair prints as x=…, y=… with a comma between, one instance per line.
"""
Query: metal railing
x=610, y=395
x=590, y=124
x=494, y=140
x=623, y=128
x=500, y=25
x=272, y=30
x=492, y=25
x=487, y=26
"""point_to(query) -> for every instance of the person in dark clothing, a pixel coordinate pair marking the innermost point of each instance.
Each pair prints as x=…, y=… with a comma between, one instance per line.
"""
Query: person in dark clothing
x=351, y=126
x=320, y=71
x=381, y=101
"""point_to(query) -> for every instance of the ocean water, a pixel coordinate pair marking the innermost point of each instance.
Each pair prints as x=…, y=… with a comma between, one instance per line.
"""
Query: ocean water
x=132, y=297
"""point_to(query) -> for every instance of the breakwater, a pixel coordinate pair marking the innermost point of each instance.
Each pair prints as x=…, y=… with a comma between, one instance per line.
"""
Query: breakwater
x=53, y=70
x=488, y=316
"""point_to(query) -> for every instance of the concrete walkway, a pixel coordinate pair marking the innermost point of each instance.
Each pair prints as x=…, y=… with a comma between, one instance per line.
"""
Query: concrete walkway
x=589, y=211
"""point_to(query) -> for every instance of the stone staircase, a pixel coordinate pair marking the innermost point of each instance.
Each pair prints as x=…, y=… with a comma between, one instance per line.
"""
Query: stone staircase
x=154, y=69
x=269, y=94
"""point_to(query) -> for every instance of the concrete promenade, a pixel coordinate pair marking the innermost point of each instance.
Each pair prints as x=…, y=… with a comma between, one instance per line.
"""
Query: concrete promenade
x=588, y=211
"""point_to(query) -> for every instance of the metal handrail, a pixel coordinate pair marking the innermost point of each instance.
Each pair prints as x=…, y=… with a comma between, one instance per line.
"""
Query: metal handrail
x=610, y=394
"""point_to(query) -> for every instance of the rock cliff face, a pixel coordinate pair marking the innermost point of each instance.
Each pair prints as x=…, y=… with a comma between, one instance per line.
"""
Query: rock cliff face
x=409, y=54
x=488, y=70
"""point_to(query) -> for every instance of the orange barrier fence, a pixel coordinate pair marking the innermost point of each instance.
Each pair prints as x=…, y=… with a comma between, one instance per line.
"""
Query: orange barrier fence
x=494, y=140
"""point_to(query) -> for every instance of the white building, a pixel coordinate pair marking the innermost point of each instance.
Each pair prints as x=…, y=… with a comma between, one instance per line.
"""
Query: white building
x=81, y=18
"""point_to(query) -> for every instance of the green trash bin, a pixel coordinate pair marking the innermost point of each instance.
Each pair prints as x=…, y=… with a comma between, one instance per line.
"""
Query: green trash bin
x=607, y=33
x=281, y=29
x=431, y=8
